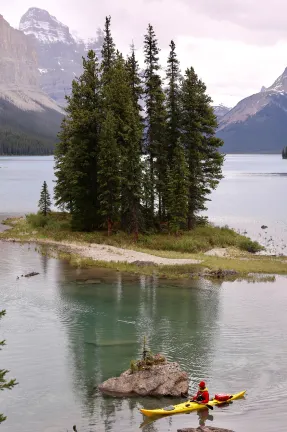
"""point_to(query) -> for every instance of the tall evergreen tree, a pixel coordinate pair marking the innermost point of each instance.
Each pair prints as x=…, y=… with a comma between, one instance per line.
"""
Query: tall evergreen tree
x=135, y=79
x=118, y=97
x=173, y=100
x=132, y=177
x=77, y=153
x=177, y=189
x=156, y=145
x=45, y=200
x=135, y=84
x=109, y=173
x=198, y=123
x=4, y=383
x=108, y=49
x=62, y=191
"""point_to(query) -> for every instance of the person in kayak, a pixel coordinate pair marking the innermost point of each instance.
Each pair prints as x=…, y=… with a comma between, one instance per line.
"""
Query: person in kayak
x=202, y=396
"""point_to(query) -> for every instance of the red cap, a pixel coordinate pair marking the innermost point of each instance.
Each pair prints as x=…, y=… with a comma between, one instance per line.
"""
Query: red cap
x=202, y=384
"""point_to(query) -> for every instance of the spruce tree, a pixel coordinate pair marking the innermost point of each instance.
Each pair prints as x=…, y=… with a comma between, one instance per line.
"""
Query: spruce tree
x=177, y=189
x=135, y=79
x=108, y=50
x=173, y=100
x=198, y=125
x=132, y=177
x=77, y=153
x=155, y=137
x=4, y=383
x=45, y=200
x=109, y=173
x=62, y=191
x=135, y=82
x=118, y=97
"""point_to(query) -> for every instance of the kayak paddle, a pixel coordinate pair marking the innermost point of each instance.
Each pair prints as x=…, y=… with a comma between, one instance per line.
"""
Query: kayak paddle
x=207, y=405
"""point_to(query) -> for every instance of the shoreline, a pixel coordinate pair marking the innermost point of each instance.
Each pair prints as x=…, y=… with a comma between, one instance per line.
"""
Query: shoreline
x=220, y=262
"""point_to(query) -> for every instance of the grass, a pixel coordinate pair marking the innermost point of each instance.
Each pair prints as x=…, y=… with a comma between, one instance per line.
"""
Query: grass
x=189, y=245
x=203, y=238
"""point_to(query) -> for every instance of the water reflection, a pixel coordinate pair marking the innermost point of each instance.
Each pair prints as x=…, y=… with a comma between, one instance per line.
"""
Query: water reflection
x=106, y=322
x=65, y=336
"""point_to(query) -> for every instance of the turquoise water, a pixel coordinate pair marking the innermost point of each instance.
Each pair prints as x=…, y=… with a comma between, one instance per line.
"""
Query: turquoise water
x=64, y=337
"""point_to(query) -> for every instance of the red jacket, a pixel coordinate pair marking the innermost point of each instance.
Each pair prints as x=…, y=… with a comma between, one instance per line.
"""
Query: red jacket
x=205, y=395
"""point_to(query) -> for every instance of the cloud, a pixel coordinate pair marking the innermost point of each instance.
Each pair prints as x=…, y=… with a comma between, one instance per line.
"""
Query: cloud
x=236, y=46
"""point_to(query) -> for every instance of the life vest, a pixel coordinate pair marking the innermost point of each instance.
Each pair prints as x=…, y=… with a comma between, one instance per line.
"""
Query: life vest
x=202, y=391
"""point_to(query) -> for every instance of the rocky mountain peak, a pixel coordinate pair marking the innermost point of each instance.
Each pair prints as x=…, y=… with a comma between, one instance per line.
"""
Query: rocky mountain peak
x=45, y=27
x=58, y=50
x=280, y=84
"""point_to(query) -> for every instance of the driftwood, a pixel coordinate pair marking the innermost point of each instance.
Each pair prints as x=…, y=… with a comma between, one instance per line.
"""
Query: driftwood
x=204, y=429
x=31, y=274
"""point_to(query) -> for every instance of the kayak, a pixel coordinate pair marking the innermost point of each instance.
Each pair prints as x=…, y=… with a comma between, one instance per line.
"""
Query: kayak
x=188, y=406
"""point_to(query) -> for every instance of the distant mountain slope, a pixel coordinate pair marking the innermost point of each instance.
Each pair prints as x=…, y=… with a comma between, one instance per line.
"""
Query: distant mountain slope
x=59, y=52
x=258, y=123
x=220, y=111
x=27, y=114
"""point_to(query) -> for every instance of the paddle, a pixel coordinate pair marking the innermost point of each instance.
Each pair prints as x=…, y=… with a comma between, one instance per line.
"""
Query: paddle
x=207, y=405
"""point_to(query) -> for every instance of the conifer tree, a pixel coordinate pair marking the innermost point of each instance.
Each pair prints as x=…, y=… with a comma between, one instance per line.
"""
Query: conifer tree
x=177, y=189
x=148, y=194
x=108, y=50
x=173, y=100
x=198, y=123
x=4, y=383
x=135, y=79
x=77, y=153
x=62, y=191
x=118, y=98
x=135, y=84
x=109, y=173
x=132, y=177
x=155, y=139
x=45, y=200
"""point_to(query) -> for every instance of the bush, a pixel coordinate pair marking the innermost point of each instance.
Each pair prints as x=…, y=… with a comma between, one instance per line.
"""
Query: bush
x=37, y=220
x=250, y=246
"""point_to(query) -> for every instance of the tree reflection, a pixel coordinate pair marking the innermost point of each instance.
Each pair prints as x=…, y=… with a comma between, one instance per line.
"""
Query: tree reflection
x=105, y=325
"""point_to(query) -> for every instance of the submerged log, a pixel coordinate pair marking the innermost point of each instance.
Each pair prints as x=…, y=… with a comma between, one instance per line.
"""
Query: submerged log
x=204, y=429
x=31, y=274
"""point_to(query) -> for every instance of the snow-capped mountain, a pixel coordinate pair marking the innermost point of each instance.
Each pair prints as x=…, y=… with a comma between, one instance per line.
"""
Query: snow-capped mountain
x=59, y=51
x=27, y=114
x=45, y=27
x=258, y=123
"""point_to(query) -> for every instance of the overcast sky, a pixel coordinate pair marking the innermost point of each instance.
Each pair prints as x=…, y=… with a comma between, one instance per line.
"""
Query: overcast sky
x=235, y=46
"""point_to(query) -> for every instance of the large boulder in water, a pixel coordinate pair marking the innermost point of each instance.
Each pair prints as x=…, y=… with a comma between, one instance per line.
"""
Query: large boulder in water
x=160, y=380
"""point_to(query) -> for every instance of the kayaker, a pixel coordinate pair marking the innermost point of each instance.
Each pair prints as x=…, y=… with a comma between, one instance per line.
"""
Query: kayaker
x=202, y=396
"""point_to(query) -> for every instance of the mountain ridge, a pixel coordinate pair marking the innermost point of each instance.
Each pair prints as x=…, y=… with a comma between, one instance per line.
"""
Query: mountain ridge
x=27, y=114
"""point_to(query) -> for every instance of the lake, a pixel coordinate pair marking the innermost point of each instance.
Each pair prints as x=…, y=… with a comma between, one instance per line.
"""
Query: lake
x=64, y=337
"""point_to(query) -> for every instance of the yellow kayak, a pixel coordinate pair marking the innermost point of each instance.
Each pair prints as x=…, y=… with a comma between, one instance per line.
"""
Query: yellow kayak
x=187, y=406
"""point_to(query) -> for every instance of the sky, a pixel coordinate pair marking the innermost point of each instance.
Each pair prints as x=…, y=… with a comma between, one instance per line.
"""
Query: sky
x=235, y=46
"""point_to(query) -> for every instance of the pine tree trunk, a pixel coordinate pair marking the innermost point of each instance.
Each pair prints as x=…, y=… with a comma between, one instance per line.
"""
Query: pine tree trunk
x=110, y=226
x=135, y=225
x=152, y=187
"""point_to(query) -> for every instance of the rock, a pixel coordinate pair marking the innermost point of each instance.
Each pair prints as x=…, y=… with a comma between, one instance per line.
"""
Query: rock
x=204, y=429
x=160, y=380
x=221, y=273
x=218, y=252
x=31, y=274
x=143, y=263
